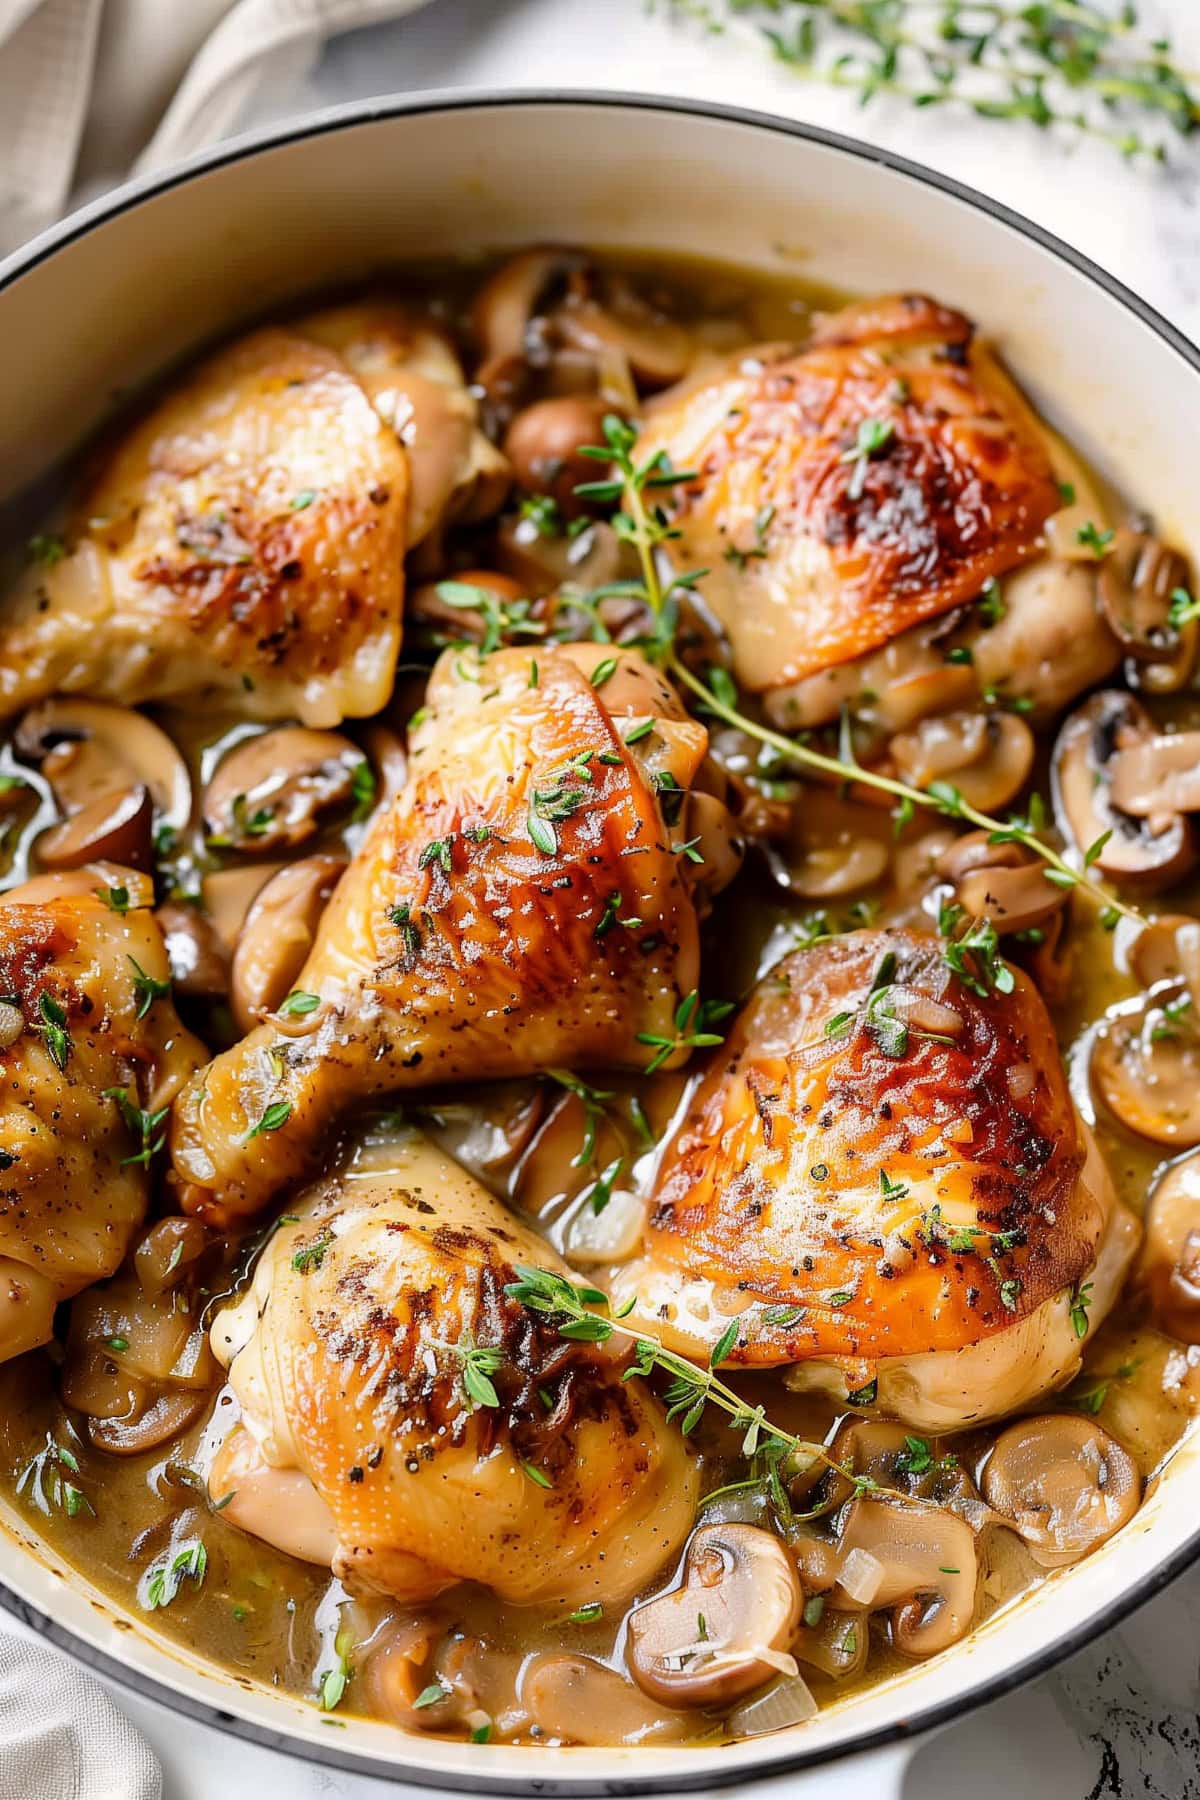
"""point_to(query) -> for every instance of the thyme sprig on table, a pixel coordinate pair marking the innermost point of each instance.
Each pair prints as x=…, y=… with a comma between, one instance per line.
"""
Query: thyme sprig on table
x=1076, y=65
x=646, y=525
x=584, y=1314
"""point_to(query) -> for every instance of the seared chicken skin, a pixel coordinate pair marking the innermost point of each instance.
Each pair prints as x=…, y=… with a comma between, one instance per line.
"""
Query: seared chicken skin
x=883, y=1175
x=849, y=491
x=86, y=1013
x=519, y=905
x=408, y=1423
x=247, y=538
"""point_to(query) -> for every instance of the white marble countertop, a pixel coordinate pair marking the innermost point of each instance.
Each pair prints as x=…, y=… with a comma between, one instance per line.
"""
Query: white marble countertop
x=1123, y=1718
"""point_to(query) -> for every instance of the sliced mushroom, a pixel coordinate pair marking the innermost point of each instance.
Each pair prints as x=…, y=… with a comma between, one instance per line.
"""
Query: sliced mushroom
x=1170, y=1260
x=510, y=298
x=119, y=828
x=163, y=1419
x=1063, y=1484
x=1159, y=776
x=835, y=847
x=1148, y=852
x=271, y=791
x=448, y=621
x=595, y=558
x=90, y=750
x=1135, y=584
x=577, y=1700
x=727, y=1629
x=1168, y=949
x=929, y=1570
x=834, y=1641
x=198, y=959
x=1001, y=882
x=604, y=315
x=987, y=756
x=543, y=444
x=227, y=896
x=1146, y=1065
x=278, y=935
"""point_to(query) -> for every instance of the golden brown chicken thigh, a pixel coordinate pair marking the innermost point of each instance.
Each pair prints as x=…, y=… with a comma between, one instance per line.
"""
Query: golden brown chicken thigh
x=884, y=1177
x=849, y=491
x=85, y=1018
x=520, y=905
x=406, y=1421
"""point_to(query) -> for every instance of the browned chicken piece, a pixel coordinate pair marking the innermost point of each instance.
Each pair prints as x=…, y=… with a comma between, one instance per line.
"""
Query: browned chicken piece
x=411, y=373
x=520, y=905
x=848, y=491
x=246, y=539
x=92, y=1052
x=410, y=1425
x=884, y=1177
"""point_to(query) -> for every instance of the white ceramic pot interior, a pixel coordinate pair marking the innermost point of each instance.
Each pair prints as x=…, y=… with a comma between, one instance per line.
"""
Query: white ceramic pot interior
x=111, y=306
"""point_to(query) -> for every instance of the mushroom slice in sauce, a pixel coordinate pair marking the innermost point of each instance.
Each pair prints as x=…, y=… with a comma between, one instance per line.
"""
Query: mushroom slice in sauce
x=1149, y=852
x=1168, y=949
x=727, y=1629
x=1159, y=776
x=543, y=445
x=1146, y=1065
x=1063, y=1484
x=987, y=756
x=278, y=934
x=927, y=1571
x=90, y=750
x=119, y=828
x=1170, y=1261
x=1135, y=585
x=577, y=1700
x=270, y=792
x=1001, y=882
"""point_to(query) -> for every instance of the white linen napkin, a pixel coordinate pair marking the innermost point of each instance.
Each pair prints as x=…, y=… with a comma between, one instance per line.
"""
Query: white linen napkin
x=91, y=88
x=61, y=1737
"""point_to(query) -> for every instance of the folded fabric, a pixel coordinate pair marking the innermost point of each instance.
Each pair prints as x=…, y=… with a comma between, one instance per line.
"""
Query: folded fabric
x=61, y=1737
x=89, y=88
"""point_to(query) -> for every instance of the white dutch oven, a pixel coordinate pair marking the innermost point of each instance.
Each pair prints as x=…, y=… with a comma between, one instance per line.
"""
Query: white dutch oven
x=124, y=288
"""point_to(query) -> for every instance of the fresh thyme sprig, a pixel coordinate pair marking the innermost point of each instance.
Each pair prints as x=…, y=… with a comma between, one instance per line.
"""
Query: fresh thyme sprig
x=646, y=528
x=1071, y=64
x=585, y=1314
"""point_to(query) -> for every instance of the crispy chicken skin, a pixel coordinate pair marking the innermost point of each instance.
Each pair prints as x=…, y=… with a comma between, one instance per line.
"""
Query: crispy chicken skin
x=71, y=1198
x=848, y=491
x=879, y=1199
x=519, y=905
x=246, y=538
x=360, y=1444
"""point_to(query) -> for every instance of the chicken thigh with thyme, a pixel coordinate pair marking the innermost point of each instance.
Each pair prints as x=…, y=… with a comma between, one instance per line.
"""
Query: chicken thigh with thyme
x=884, y=1178
x=848, y=498
x=92, y=1055
x=407, y=1422
x=521, y=904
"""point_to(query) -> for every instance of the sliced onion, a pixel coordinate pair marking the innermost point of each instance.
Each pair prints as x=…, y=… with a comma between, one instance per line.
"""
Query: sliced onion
x=862, y=1576
x=789, y=1702
x=613, y=1235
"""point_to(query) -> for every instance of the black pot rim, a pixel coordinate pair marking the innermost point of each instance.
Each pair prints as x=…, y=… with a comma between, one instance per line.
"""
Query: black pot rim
x=1047, y=1656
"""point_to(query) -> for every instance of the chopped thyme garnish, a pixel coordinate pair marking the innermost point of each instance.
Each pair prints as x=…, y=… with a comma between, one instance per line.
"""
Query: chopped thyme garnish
x=54, y=1030
x=274, y=1116
x=147, y=988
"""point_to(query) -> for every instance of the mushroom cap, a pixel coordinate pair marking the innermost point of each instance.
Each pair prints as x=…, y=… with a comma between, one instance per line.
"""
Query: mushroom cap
x=1145, y=1062
x=270, y=791
x=927, y=1571
x=1170, y=1262
x=725, y=1630
x=1148, y=852
x=1064, y=1485
x=92, y=749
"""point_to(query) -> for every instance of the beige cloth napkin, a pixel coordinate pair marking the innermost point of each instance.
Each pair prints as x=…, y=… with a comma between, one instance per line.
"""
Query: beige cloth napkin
x=90, y=89
x=61, y=1737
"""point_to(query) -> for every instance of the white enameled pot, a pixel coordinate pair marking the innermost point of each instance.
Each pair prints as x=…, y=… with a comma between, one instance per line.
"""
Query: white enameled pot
x=126, y=287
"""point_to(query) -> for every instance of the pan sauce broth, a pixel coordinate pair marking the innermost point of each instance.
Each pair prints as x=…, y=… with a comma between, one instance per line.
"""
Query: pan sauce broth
x=578, y=1156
